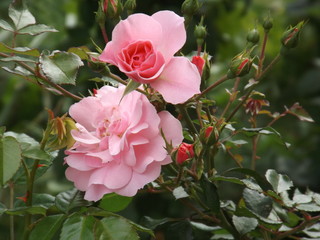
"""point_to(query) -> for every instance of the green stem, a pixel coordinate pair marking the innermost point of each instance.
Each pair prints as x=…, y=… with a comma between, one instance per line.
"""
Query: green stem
x=187, y=118
x=262, y=54
x=208, y=89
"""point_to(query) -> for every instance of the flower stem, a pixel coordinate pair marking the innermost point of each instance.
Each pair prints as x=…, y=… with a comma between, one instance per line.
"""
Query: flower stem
x=262, y=54
x=221, y=80
x=187, y=118
x=11, y=186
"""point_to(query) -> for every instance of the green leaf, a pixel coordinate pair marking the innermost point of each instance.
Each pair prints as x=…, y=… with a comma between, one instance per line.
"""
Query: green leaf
x=34, y=210
x=279, y=182
x=263, y=183
x=203, y=227
x=19, y=50
x=47, y=228
x=257, y=202
x=21, y=17
x=308, y=207
x=37, y=29
x=131, y=86
x=244, y=224
x=141, y=228
x=82, y=52
x=17, y=59
x=65, y=201
x=227, y=179
x=30, y=147
x=210, y=194
x=300, y=198
x=179, y=192
x=78, y=228
x=6, y=26
x=60, y=67
x=3, y=208
x=154, y=223
x=313, y=231
x=114, y=203
x=114, y=228
x=10, y=158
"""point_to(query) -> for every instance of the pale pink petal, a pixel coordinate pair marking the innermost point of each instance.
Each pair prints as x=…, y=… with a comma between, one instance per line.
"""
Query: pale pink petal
x=95, y=192
x=80, y=178
x=174, y=33
x=171, y=128
x=135, y=27
x=179, y=81
x=91, y=107
x=83, y=136
x=78, y=162
x=118, y=175
x=104, y=156
x=139, y=180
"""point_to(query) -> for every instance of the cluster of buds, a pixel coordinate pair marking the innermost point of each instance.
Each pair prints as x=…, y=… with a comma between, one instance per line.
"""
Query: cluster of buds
x=58, y=132
x=255, y=102
x=183, y=153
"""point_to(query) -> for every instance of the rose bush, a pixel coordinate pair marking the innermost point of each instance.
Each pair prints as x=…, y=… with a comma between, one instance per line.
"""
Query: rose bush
x=119, y=147
x=143, y=48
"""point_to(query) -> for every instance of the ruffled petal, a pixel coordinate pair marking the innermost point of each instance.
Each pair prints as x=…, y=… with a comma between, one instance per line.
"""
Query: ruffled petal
x=80, y=178
x=78, y=162
x=174, y=33
x=179, y=81
x=95, y=192
x=171, y=128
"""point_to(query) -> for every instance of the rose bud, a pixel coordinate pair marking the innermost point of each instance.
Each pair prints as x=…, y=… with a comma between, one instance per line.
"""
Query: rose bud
x=253, y=36
x=209, y=135
x=184, y=152
x=267, y=23
x=240, y=65
x=199, y=62
x=290, y=38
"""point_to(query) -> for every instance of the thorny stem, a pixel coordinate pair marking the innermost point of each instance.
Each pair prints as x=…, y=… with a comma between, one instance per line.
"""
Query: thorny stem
x=212, y=86
x=232, y=97
x=234, y=158
x=262, y=54
x=187, y=118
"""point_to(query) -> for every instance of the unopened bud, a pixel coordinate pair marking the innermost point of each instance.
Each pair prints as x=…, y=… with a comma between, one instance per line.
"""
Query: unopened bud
x=200, y=32
x=240, y=65
x=290, y=38
x=209, y=135
x=189, y=7
x=58, y=132
x=184, y=152
x=253, y=36
x=111, y=8
x=199, y=62
x=130, y=5
x=267, y=23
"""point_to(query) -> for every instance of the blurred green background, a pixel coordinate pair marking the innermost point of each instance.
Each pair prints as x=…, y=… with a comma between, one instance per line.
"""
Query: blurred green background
x=296, y=78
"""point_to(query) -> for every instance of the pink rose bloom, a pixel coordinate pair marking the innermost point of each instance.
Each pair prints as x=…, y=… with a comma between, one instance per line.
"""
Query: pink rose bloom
x=119, y=147
x=143, y=47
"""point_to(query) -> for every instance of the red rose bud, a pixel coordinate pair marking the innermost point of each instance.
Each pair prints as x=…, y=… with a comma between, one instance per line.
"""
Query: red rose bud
x=241, y=64
x=199, y=62
x=290, y=38
x=184, y=152
x=208, y=135
x=111, y=8
x=208, y=131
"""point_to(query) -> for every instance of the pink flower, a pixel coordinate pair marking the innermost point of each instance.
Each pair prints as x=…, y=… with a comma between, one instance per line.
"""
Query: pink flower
x=119, y=147
x=143, y=47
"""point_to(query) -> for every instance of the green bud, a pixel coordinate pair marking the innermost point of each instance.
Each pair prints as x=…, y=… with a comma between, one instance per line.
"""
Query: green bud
x=267, y=23
x=130, y=5
x=190, y=7
x=241, y=64
x=100, y=16
x=209, y=135
x=200, y=32
x=253, y=36
x=290, y=37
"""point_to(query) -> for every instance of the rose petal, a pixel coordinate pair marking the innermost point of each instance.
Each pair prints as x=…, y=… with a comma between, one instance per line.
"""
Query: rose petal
x=173, y=33
x=118, y=175
x=171, y=128
x=83, y=136
x=95, y=192
x=78, y=162
x=86, y=105
x=135, y=27
x=179, y=81
x=80, y=178
x=139, y=180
